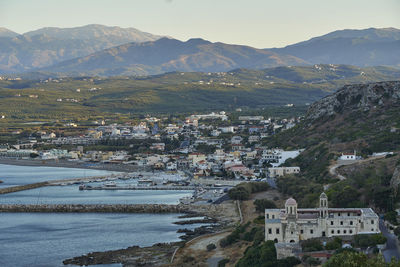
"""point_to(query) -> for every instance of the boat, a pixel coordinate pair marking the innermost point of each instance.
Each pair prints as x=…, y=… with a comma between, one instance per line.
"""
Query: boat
x=145, y=182
x=110, y=184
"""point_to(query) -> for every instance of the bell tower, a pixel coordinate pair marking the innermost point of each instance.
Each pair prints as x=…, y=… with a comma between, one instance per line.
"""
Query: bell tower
x=323, y=205
x=291, y=208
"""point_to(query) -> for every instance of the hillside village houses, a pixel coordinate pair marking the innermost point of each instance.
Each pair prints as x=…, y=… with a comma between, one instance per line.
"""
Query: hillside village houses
x=205, y=145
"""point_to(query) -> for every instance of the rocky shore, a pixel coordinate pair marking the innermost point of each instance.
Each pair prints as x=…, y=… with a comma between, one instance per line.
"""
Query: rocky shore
x=217, y=218
x=155, y=255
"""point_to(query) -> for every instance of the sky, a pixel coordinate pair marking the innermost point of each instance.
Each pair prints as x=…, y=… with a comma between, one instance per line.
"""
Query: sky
x=257, y=23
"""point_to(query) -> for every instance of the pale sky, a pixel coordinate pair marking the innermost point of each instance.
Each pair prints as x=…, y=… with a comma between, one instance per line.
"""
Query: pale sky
x=258, y=23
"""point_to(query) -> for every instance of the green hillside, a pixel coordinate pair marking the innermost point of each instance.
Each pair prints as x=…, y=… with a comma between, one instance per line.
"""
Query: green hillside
x=178, y=91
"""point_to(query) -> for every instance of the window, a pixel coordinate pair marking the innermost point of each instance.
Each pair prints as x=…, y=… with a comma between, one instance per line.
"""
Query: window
x=267, y=216
x=332, y=232
x=344, y=231
x=338, y=214
x=372, y=221
x=341, y=222
x=372, y=229
x=351, y=222
x=277, y=231
x=331, y=222
x=273, y=216
x=338, y=231
x=301, y=231
x=311, y=231
x=291, y=233
x=269, y=230
x=348, y=214
x=350, y=231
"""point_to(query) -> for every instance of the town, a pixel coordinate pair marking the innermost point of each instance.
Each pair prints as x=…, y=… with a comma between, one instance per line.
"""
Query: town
x=203, y=145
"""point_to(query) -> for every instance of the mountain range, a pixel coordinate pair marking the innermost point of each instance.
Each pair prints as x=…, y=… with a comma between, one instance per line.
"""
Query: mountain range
x=110, y=51
x=47, y=46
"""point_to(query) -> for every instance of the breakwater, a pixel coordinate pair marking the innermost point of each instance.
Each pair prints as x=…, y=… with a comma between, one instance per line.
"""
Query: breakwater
x=13, y=189
x=97, y=208
x=174, y=188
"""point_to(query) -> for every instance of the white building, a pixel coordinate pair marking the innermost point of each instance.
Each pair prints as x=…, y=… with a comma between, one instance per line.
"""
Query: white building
x=278, y=156
x=290, y=225
x=348, y=156
x=282, y=171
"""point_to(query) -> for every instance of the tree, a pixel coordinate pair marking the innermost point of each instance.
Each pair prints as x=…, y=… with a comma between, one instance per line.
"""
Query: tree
x=365, y=241
x=310, y=261
x=355, y=259
x=262, y=204
x=334, y=244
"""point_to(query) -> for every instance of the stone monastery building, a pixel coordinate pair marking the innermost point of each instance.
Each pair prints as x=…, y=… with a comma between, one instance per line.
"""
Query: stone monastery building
x=290, y=225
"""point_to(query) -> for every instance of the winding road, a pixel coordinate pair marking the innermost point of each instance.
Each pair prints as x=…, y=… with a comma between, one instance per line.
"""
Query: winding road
x=392, y=245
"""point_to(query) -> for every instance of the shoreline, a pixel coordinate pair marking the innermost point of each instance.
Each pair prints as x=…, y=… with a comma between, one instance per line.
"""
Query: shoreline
x=158, y=254
x=71, y=164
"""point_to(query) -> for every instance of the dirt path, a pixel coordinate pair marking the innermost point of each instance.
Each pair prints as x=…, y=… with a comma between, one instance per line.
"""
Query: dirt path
x=333, y=168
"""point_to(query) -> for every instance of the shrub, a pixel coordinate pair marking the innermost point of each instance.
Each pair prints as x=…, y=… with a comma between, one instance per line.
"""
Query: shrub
x=365, y=240
x=259, y=220
x=262, y=204
x=311, y=245
x=334, y=244
x=239, y=193
x=234, y=236
x=310, y=261
x=187, y=259
x=243, y=191
x=391, y=217
x=397, y=231
x=223, y=262
x=211, y=247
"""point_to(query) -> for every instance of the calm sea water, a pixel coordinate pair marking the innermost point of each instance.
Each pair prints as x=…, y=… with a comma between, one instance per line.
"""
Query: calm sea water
x=42, y=239
x=72, y=195
x=19, y=175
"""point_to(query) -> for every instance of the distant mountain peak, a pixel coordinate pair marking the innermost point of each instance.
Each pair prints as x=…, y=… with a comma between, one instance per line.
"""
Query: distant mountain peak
x=91, y=31
x=4, y=32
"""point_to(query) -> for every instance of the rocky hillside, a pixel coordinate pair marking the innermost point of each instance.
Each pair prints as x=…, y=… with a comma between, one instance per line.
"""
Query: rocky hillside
x=361, y=117
x=357, y=98
x=364, y=117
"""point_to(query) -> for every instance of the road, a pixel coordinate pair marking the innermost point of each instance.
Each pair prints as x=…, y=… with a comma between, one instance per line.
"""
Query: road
x=392, y=248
